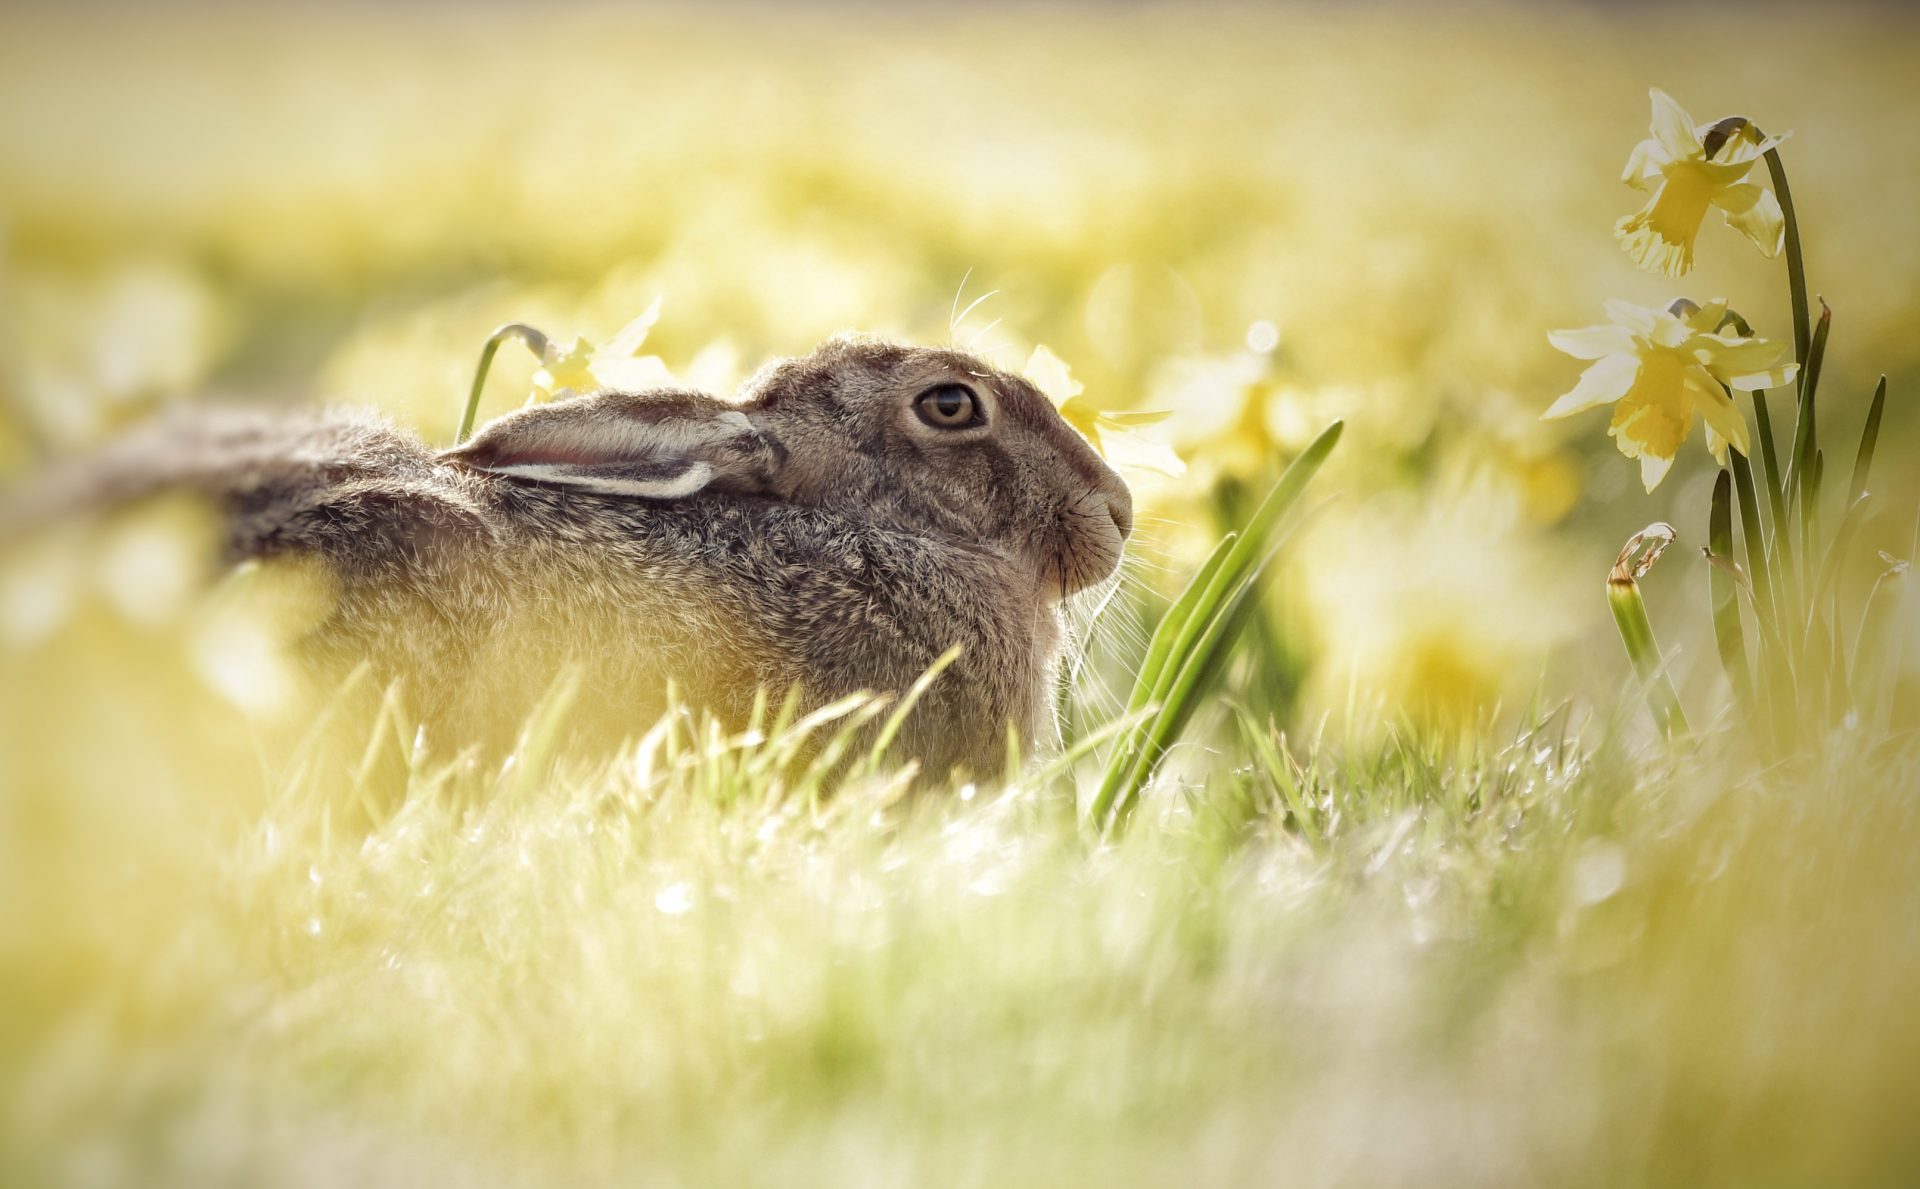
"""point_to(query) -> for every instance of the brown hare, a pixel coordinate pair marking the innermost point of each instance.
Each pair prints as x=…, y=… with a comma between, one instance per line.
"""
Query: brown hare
x=844, y=522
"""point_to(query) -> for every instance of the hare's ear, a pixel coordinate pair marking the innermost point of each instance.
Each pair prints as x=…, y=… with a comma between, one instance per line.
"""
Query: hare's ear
x=660, y=445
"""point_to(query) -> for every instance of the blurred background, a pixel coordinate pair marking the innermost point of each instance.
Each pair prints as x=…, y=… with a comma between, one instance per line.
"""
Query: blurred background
x=1258, y=220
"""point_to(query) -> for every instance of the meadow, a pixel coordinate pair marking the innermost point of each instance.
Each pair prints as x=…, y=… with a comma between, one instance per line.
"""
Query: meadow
x=1421, y=891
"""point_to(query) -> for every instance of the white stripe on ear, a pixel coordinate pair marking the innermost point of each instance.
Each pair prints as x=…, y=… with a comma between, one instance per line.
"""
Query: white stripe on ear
x=642, y=481
x=665, y=445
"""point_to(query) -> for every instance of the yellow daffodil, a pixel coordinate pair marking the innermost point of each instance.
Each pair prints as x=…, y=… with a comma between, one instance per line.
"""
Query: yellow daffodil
x=1661, y=365
x=579, y=366
x=1689, y=169
x=1112, y=434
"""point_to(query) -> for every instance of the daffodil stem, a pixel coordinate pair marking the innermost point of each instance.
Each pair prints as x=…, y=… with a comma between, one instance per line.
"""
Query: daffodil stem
x=1804, y=346
x=1759, y=568
x=1725, y=594
x=535, y=341
x=1636, y=632
x=1796, y=261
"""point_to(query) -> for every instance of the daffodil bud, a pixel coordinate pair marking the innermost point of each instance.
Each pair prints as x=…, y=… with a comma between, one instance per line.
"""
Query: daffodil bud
x=1636, y=630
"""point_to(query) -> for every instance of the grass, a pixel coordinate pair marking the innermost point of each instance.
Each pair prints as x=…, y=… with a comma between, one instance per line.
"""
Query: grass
x=1552, y=960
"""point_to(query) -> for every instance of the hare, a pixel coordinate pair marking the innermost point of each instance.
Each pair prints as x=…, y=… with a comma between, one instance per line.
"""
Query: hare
x=852, y=515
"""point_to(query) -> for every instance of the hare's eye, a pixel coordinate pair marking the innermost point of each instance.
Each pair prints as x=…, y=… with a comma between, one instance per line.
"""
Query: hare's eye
x=949, y=406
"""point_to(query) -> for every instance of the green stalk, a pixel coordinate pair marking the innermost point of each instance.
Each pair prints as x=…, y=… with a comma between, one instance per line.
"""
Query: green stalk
x=1636, y=630
x=535, y=341
x=1726, y=600
x=1195, y=678
x=1194, y=635
x=1781, y=559
x=1802, y=349
x=1796, y=259
x=1806, y=436
x=1869, y=437
x=1758, y=571
x=1874, y=644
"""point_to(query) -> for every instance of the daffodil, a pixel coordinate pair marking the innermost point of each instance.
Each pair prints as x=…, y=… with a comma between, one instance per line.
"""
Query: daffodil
x=1662, y=365
x=579, y=366
x=1113, y=434
x=1690, y=168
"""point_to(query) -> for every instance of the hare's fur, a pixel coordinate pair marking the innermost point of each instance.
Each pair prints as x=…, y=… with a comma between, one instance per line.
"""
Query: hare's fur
x=813, y=532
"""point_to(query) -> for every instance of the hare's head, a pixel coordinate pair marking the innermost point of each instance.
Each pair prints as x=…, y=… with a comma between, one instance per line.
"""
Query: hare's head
x=921, y=438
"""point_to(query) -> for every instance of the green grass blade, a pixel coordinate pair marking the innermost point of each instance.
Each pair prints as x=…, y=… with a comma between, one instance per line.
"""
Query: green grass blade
x=1810, y=514
x=1726, y=602
x=1174, y=622
x=1753, y=532
x=1277, y=768
x=1203, y=666
x=540, y=737
x=1054, y=768
x=890, y=729
x=1159, y=648
x=1806, y=437
x=1836, y=556
x=1780, y=558
x=1244, y=553
x=1873, y=644
x=1869, y=437
x=1196, y=623
x=1769, y=455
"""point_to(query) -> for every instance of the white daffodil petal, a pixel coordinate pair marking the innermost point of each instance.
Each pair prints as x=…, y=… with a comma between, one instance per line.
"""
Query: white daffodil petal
x=1048, y=372
x=1653, y=468
x=634, y=334
x=1736, y=353
x=1717, y=446
x=1593, y=342
x=1724, y=422
x=1759, y=381
x=1672, y=330
x=1746, y=364
x=1638, y=319
x=1753, y=211
x=1673, y=127
x=1706, y=319
x=631, y=375
x=1603, y=383
x=1131, y=417
x=557, y=355
x=1132, y=451
x=1643, y=165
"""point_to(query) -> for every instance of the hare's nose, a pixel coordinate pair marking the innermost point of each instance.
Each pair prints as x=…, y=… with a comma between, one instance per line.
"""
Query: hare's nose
x=1120, y=507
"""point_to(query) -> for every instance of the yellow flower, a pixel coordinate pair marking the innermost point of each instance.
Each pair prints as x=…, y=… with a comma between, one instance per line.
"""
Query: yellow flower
x=1112, y=434
x=1660, y=365
x=1689, y=169
x=579, y=366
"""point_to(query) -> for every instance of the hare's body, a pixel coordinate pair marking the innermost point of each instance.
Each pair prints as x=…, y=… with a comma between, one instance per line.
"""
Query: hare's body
x=861, y=511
